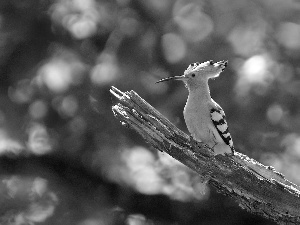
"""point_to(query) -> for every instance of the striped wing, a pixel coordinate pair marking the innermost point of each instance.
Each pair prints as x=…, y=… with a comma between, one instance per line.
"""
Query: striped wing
x=219, y=120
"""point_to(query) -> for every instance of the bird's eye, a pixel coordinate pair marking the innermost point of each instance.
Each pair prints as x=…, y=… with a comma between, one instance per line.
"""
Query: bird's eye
x=193, y=75
x=211, y=62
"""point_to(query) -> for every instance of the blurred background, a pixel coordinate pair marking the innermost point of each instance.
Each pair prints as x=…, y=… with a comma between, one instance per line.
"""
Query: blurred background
x=64, y=158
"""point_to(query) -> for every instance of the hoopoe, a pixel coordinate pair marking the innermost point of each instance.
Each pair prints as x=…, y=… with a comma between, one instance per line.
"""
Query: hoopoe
x=205, y=119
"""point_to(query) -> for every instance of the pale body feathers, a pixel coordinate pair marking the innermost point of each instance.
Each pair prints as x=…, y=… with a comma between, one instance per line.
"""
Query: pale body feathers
x=199, y=120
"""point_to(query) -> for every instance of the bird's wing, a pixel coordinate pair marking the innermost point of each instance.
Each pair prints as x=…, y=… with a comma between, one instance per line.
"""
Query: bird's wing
x=219, y=120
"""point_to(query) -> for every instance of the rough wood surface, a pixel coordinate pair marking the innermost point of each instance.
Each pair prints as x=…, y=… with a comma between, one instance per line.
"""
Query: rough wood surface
x=255, y=187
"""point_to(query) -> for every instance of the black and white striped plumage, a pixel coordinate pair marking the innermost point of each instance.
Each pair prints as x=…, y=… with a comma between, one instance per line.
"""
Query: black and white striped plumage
x=219, y=120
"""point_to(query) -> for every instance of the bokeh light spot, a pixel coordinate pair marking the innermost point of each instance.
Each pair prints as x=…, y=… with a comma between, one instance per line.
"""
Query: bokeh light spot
x=69, y=106
x=254, y=73
x=247, y=40
x=292, y=144
x=141, y=173
x=289, y=35
x=174, y=48
x=275, y=113
x=40, y=201
x=106, y=71
x=22, y=93
x=38, y=109
x=82, y=28
x=194, y=24
x=136, y=219
x=83, y=5
x=254, y=69
x=9, y=145
x=56, y=76
x=163, y=175
x=39, y=141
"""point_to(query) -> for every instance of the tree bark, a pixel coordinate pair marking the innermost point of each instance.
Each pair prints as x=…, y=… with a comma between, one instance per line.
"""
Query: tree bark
x=255, y=187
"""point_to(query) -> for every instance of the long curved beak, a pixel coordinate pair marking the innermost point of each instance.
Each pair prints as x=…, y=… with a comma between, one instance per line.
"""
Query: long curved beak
x=172, y=78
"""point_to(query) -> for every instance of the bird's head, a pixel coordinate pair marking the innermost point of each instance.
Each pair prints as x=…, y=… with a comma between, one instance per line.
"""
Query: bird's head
x=197, y=73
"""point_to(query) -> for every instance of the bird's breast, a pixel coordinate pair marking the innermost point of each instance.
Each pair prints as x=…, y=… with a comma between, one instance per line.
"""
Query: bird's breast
x=197, y=119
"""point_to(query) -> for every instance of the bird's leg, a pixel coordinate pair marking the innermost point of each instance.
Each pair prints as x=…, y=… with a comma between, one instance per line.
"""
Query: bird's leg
x=213, y=147
x=215, y=143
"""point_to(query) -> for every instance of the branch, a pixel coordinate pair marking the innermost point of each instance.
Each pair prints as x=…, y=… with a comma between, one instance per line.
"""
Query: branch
x=257, y=188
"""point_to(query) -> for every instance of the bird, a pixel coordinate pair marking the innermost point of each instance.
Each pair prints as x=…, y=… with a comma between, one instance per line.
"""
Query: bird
x=204, y=118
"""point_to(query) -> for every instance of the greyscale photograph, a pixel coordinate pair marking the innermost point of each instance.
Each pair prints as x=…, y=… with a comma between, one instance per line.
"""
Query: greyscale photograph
x=149, y=112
